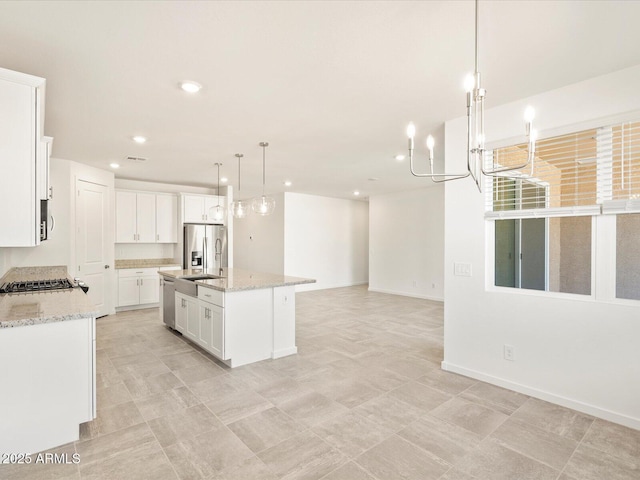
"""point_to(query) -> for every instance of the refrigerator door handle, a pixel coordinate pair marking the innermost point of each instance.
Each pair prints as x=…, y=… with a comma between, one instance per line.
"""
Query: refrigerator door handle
x=205, y=260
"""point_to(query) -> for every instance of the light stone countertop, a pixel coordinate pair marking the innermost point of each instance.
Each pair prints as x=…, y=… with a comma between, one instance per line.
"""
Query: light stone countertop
x=235, y=279
x=146, y=263
x=21, y=309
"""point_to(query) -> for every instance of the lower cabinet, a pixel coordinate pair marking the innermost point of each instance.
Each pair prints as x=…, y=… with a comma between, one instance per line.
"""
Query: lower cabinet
x=212, y=328
x=187, y=316
x=138, y=286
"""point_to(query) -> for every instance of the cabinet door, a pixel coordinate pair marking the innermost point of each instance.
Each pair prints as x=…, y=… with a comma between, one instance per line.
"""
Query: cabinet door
x=166, y=219
x=149, y=292
x=193, y=319
x=193, y=209
x=126, y=229
x=146, y=217
x=20, y=215
x=217, y=332
x=128, y=291
x=181, y=313
x=205, y=325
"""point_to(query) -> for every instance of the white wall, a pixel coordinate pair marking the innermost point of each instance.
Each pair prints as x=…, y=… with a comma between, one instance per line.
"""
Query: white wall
x=326, y=239
x=259, y=241
x=406, y=243
x=580, y=353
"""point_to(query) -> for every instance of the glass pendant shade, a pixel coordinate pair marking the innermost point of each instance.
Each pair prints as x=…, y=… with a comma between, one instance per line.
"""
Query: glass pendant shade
x=240, y=208
x=263, y=205
x=217, y=213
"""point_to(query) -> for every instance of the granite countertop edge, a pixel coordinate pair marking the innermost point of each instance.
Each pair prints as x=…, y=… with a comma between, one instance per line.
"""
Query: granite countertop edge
x=240, y=288
x=146, y=263
x=23, y=322
x=241, y=280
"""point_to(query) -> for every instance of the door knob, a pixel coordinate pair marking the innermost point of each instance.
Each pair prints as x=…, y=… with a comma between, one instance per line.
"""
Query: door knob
x=107, y=266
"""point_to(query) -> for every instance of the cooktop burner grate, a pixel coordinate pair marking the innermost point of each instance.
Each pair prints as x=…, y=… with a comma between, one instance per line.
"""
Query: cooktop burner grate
x=36, y=285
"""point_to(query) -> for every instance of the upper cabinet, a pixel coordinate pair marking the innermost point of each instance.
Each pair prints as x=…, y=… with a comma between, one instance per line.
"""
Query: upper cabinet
x=21, y=129
x=143, y=217
x=195, y=208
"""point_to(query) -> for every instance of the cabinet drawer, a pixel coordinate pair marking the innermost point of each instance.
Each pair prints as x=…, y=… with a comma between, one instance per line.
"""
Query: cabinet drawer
x=137, y=272
x=210, y=295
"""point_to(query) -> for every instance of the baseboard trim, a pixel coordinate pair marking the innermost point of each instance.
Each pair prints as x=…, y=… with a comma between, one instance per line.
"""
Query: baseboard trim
x=284, y=352
x=587, y=408
x=407, y=294
x=310, y=287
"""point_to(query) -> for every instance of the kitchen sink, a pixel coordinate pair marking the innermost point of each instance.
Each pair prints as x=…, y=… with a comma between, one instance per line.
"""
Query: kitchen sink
x=207, y=276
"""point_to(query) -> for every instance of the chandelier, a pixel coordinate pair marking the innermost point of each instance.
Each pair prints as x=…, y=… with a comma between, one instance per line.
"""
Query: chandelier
x=475, y=135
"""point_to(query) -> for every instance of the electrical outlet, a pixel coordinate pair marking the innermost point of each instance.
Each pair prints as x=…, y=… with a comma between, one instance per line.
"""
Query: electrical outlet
x=509, y=353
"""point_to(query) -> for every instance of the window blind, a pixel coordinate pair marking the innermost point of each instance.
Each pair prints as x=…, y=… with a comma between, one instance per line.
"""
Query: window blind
x=583, y=173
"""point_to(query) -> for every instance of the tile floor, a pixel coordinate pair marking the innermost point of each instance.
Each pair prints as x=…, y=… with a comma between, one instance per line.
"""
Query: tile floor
x=364, y=399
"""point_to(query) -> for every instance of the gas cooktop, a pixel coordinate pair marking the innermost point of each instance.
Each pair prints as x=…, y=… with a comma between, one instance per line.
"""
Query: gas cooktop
x=36, y=285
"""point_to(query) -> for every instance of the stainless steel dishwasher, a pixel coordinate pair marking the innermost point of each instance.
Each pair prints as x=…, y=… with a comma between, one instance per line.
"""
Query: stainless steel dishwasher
x=169, y=302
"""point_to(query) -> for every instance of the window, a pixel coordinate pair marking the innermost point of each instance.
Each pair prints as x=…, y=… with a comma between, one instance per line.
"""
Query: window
x=628, y=256
x=544, y=216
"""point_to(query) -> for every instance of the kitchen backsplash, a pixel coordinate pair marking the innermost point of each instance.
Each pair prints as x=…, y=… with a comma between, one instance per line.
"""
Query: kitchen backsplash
x=129, y=251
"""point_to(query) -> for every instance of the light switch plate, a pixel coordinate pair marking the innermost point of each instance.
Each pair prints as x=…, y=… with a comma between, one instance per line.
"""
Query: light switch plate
x=462, y=269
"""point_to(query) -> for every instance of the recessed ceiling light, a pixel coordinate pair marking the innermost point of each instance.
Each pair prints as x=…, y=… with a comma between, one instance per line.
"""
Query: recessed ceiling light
x=139, y=139
x=356, y=193
x=287, y=183
x=190, y=87
x=114, y=165
x=399, y=157
x=224, y=179
x=373, y=179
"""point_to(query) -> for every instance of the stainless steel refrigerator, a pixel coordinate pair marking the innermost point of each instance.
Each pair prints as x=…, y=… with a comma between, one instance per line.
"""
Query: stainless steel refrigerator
x=205, y=246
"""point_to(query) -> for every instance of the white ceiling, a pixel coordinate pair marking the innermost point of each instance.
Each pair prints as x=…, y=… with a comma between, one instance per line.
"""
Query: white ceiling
x=330, y=85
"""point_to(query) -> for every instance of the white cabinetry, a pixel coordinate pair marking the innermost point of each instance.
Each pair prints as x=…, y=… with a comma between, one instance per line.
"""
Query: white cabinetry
x=166, y=218
x=146, y=217
x=187, y=316
x=212, y=321
x=195, y=208
x=138, y=286
x=21, y=128
x=44, y=183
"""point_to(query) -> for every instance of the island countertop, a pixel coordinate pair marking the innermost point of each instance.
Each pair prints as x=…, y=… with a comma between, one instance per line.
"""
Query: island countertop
x=20, y=309
x=236, y=279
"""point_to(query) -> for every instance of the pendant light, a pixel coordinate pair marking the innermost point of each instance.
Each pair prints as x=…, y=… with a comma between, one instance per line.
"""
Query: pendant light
x=240, y=208
x=217, y=212
x=475, y=135
x=263, y=205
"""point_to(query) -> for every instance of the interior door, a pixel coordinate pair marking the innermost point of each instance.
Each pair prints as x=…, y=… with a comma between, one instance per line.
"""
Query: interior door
x=92, y=258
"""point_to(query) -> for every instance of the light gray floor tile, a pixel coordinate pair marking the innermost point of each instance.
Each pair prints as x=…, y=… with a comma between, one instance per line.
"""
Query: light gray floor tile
x=546, y=447
x=616, y=440
x=500, y=399
x=114, y=443
x=265, y=429
x=251, y=469
x=493, y=461
x=349, y=471
x=475, y=418
x=207, y=454
x=442, y=439
x=166, y=403
x=140, y=387
x=184, y=424
x=234, y=406
x=389, y=412
x=397, y=458
x=351, y=434
x=312, y=408
x=143, y=462
x=420, y=396
x=112, y=395
x=196, y=373
x=303, y=456
x=112, y=419
x=588, y=463
x=554, y=418
x=446, y=381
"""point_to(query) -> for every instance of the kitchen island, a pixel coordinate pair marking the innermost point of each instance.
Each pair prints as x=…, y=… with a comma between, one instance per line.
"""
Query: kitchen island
x=47, y=353
x=240, y=317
